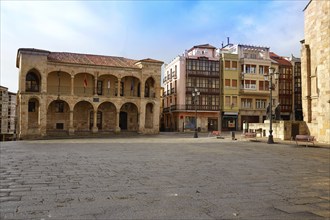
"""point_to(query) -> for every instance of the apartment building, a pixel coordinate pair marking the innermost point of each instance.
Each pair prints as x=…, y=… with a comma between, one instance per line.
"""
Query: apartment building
x=254, y=95
x=63, y=93
x=230, y=88
x=198, y=69
x=315, y=69
x=285, y=90
x=8, y=112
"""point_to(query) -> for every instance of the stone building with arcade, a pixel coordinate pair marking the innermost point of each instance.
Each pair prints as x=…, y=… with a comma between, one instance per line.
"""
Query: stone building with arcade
x=63, y=93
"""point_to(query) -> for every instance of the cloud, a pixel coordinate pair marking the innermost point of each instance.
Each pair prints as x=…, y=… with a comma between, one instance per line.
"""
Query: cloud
x=141, y=29
x=279, y=26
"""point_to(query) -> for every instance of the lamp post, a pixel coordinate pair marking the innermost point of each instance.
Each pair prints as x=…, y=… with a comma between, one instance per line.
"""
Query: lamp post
x=195, y=95
x=271, y=87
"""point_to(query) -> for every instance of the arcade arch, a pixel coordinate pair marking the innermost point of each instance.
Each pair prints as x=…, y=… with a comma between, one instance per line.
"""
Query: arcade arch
x=128, y=117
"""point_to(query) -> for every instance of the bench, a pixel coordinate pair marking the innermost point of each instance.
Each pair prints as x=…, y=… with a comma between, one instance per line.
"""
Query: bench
x=304, y=138
x=250, y=135
x=214, y=133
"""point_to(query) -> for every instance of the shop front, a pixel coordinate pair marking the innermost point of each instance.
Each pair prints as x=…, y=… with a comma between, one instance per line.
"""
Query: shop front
x=229, y=121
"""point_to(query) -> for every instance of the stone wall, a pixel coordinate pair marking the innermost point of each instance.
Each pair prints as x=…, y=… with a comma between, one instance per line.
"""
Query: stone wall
x=315, y=68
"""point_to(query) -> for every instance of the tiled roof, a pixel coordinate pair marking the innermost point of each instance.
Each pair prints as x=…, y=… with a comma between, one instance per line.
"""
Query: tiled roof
x=151, y=60
x=203, y=46
x=280, y=60
x=88, y=59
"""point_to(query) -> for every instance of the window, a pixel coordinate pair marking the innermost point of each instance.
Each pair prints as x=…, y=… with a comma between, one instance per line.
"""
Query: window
x=234, y=65
x=227, y=101
x=121, y=88
x=32, y=106
x=99, y=87
x=31, y=82
x=227, y=82
x=234, y=83
x=234, y=101
x=59, y=126
x=227, y=64
x=261, y=103
x=261, y=70
x=59, y=107
x=250, y=84
x=246, y=103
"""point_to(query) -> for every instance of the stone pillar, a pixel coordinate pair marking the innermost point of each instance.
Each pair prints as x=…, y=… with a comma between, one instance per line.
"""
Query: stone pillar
x=117, y=128
x=95, y=83
x=95, y=129
x=71, y=128
x=118, y=87
x=42, y=117
x=141, y=118
x=72, y=84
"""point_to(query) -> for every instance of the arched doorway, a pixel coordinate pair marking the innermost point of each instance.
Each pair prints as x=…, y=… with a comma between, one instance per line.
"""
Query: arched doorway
x=81, y=113
x=107, y=117
x=128, y=117
x=58, y=116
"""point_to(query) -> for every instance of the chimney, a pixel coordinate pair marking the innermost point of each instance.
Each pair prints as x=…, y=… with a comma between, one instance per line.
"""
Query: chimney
x=227, y=40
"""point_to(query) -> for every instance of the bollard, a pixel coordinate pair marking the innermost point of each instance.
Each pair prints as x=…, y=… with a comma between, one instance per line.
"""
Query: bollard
x=233, y=135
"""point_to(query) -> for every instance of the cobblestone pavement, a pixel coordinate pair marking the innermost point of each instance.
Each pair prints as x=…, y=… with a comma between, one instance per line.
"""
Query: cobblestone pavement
x=167, y=176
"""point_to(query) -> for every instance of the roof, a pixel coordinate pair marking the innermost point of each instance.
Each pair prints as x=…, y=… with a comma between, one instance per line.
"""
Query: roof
x=150, y=60
x=203, y=46
x=88, y=59
x=280, y=60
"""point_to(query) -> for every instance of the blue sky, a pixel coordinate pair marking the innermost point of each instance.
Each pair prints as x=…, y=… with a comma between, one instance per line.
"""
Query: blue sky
x=145, y=29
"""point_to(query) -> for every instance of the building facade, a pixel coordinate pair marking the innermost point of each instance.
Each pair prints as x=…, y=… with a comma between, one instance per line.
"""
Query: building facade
x=254, y=95
x=315, y=69
x=70, y=94
x=297, y=101
x=8, y=112
x=230, y=88
x=197, y=68
x=285, y=90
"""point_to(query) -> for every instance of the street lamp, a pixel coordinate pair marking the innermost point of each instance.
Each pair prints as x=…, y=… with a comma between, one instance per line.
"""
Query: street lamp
x=269, y=77
x=195, y=95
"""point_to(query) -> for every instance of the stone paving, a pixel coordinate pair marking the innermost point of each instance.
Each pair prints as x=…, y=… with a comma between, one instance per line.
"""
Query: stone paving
x=167, y=176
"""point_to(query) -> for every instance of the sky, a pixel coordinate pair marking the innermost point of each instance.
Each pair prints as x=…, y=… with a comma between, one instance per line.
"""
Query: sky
x=140, y=29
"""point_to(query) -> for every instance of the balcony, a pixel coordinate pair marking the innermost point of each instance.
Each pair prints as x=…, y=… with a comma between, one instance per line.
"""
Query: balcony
x=215, y=91
x=191, y=107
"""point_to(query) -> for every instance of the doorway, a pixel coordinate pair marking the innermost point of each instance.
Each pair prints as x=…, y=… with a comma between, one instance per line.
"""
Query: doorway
x=123, y=120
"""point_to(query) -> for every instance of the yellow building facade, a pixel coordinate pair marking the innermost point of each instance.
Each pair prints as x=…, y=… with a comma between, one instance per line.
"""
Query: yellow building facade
x=77, y=94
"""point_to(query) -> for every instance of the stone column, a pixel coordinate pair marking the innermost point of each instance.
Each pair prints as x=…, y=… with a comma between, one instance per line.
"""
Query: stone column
x=142, y=118
x=95, y=84
x=72, y=84
x=117, y=128
x=118, y=87
x=71, y=128
x=42, y=118
x=95, y=129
